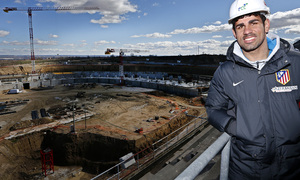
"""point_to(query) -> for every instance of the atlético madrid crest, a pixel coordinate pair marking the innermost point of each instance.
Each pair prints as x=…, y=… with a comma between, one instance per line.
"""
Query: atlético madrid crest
x=283, y=76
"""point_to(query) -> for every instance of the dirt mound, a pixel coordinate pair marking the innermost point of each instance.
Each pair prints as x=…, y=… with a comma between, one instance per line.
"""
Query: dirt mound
x=30, y=123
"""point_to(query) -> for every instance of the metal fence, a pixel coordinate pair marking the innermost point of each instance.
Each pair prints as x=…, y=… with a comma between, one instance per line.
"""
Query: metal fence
x=223, y=142
x=157, y=149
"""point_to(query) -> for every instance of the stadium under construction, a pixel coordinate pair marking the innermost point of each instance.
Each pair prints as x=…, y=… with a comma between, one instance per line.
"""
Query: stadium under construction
x=79, y=117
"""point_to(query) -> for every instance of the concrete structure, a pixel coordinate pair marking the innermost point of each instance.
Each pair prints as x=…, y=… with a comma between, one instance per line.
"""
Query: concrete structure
x=144, y=80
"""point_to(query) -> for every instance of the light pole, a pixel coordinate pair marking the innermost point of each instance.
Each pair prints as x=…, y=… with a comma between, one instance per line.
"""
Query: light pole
x=73, y=113
x=84, y=114
x=73, y=107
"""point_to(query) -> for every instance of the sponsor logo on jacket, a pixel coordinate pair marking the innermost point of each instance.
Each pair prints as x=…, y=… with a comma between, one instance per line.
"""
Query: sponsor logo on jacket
x=283, y=76
x=284, y=89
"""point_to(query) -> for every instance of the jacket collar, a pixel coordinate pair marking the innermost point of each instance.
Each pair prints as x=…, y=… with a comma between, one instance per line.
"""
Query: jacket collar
x=234, y=53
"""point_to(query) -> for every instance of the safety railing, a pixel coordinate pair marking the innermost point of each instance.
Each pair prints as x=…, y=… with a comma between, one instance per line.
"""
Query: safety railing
x=195, y=168
x=158, y=148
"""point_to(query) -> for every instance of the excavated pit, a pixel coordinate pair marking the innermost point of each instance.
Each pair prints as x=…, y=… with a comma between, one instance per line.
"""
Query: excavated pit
x=114, y=115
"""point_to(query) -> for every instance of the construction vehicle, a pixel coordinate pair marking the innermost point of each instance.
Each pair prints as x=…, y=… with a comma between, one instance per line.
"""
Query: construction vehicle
x=139, y=130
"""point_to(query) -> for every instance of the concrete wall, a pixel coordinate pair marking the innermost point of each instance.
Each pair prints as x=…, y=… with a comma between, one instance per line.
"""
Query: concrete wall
x=161, y=85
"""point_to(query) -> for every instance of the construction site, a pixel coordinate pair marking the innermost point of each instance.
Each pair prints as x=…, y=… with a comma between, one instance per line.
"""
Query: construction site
x=113, y=117
x=86, y=117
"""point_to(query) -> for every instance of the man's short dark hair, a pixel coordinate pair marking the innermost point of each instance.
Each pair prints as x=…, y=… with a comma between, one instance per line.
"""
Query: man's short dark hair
x=262, y=16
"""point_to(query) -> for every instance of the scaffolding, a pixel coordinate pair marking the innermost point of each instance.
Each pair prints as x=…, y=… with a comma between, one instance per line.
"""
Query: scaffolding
x=47, y=161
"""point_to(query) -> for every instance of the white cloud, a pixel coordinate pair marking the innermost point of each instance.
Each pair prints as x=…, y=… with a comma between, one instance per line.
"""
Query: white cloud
x=3, y=33
x=66, y=51
x=218, y=22
x=155, y=4
x=217, y=36
x=14, y=43
x=111, y=11
x=292, y=41
x=153, y=35
x=296, y=39
x=108, y=19
x=69, y=45
x=293, y=30
x=210, y=46
x=203, y=29
x=288, y=21
x=44, y=43
x=53, y=35
x=145, y=14
x=102, y=42
x=229, y=37
x=83, y=44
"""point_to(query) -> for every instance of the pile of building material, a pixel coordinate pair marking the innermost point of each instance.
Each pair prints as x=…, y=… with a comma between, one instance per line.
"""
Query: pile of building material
x=6, y=107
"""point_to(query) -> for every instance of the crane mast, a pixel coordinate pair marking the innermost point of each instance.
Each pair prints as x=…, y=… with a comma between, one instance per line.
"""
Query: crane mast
x=121, y=54
x=32, y=57
x=29, y=11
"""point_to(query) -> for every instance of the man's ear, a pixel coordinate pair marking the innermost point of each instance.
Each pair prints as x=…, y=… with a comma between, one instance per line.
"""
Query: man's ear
x=267, y=26
x=233, y=32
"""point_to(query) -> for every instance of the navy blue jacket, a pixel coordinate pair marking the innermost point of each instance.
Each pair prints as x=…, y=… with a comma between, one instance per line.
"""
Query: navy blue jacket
x=259, y=108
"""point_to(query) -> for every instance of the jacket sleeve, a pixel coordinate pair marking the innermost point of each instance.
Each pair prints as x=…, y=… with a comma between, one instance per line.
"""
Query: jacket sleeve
x=218, y=105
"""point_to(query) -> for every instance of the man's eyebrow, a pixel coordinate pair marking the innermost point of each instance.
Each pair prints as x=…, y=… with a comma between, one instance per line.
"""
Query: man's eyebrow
x=253, y=20
x=241, y=24
x=249, y=22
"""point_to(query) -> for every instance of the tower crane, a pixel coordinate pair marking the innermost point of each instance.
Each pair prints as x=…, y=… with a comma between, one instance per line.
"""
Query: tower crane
x=121, y=54
x=29, y=11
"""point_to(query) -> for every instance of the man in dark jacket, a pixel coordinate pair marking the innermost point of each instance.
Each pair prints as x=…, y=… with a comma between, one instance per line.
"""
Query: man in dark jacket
x=254, y=97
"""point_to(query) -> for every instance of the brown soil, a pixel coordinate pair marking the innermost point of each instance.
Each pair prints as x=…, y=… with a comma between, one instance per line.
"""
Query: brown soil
x=118, y=112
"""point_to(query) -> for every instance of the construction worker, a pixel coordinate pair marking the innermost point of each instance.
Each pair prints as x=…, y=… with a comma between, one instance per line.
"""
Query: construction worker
x=254, y=97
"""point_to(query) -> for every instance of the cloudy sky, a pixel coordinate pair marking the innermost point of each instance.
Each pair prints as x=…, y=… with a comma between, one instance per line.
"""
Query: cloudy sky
x=162, y=27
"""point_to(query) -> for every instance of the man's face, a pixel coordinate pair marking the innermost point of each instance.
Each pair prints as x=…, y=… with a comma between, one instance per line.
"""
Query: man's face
x=250, y=32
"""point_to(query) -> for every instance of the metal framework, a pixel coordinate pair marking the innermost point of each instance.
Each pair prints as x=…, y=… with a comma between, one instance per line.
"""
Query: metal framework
x=32, y=57
x=29, y=11
x=47, y=160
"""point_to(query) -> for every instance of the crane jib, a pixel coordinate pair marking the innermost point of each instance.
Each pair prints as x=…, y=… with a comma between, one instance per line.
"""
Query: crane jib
x=29, y=11
x=7, y=9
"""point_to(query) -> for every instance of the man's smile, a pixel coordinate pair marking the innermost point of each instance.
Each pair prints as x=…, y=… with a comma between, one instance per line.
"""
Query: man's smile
x=249, y=39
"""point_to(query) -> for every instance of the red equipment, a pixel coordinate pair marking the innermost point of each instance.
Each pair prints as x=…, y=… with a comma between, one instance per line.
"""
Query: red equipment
x=47, y=160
